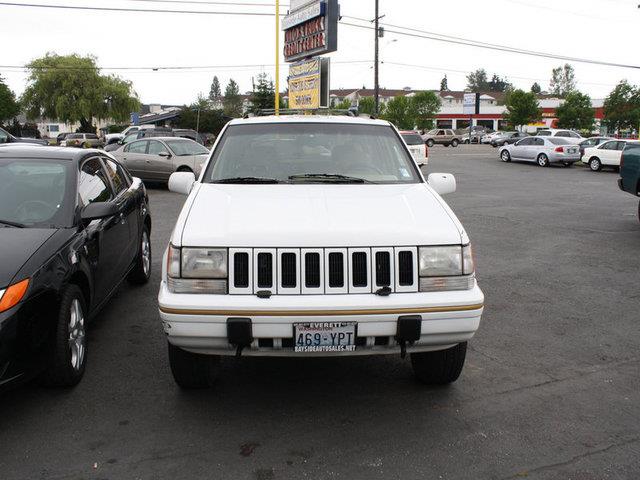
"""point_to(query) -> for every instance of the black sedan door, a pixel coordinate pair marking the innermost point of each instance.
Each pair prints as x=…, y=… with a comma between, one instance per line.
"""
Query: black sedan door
x=107, y=238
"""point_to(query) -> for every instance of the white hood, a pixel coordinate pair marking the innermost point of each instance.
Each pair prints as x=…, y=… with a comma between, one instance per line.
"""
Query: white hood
x=315, y=215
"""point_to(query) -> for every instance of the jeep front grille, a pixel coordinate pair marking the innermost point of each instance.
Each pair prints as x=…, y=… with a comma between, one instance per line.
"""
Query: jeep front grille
x=314, y=271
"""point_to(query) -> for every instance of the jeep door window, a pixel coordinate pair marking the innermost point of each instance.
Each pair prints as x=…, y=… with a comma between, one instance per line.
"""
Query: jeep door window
x=314, y=152
x=36, y=193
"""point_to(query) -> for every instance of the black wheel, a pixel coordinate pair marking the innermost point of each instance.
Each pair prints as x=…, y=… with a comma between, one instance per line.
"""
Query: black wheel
x=543, y=160
x=430, y=143
x=142, y=269
x=466, y=141
x=505, y=156
x=191, y=370
x=440, y=367
x=454, y=143
x=595, y=164
x=68, y=349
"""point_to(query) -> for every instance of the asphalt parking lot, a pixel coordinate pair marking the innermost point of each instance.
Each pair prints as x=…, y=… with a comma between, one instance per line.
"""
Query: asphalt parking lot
x=551, y=388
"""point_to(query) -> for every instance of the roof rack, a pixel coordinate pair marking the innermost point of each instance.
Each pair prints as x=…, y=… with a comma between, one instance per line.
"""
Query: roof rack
x=320, y=111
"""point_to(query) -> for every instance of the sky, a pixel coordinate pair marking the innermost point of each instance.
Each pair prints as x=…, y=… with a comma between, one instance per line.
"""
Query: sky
x=241, y=47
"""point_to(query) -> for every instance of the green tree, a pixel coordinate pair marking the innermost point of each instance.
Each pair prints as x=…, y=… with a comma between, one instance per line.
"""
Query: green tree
x=498, y=84
x=576, y=112
x=424, y=108
x=343, y=105
x=70, y=88
x=622, y=107
x=9, y=107
x=201, y=117
x=522, y=108
x=400, y=111
x=214, y=92
x=444, y=84
x=477, y=81
x=535, y=88
x=563, y=80
x=232, y=102
x=263, y=95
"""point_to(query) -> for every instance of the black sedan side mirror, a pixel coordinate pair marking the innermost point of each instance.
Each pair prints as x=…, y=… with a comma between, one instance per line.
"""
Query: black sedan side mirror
x=97, y=210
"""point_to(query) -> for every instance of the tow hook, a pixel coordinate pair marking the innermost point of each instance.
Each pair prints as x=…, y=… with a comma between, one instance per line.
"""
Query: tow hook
x=408, y=331
x=384, y=291
x=239, y=333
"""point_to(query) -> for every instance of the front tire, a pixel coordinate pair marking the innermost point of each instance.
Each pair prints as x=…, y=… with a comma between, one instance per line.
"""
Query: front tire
x=68, y=354
x=505, y=156
x=191, y=370
x=595, y=164
x=142, y=269
x=440, y=367
x=430, y=143
x=543, y=160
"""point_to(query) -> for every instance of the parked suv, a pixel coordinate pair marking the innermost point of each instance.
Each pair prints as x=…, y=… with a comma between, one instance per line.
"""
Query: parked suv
x=629, y=180
x=82, y=140
x=442, y=136
x=316, y=236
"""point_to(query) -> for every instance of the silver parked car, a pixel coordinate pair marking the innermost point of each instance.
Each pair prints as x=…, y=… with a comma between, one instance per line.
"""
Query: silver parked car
x=542, y=150
x=157, y=158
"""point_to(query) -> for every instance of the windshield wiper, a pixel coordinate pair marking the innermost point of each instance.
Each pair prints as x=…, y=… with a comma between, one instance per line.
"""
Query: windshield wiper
x=13, y=224
x=248, y=180
x=330, y=177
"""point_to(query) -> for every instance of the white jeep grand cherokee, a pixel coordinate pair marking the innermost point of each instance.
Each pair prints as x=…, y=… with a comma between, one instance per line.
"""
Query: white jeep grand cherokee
x=310, y=235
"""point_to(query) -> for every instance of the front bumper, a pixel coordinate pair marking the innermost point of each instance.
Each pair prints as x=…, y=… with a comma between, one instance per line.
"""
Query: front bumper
x=198, y=323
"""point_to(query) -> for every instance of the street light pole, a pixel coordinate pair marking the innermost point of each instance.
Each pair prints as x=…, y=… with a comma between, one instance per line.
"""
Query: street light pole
x=376, y=85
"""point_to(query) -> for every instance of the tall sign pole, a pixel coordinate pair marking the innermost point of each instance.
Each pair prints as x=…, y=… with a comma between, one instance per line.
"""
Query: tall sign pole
x=277, y=105
x=376, y=85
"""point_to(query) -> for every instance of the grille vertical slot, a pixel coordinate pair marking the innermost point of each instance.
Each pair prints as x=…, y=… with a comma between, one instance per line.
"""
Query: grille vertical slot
x=288, y=277
x=241, y=270
x=265, y=270
x=405, y=268
x=336, y=270
x=383, y=269
x=359, y=269
x=312, y=270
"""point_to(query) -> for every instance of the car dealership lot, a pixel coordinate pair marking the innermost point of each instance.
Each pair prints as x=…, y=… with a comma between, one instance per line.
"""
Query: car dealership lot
x=550, y=390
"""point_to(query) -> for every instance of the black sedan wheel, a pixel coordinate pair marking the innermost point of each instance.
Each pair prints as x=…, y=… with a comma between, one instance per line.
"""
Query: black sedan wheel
x=68, y=355
x=543, y=160
x=142, y=269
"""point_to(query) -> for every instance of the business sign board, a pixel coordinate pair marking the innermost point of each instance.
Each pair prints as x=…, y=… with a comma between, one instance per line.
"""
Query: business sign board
x=311, y=29
x=470, y=103
x=309, y=84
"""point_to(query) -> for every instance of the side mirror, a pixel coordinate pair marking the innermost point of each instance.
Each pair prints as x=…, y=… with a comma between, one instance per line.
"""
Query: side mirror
x=181, y=182
x=164, y=154
x=97, y=210
x=442, y=183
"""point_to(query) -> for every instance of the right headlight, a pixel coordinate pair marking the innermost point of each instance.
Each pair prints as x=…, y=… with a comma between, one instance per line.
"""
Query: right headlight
x=197, y=270
x=447, y=267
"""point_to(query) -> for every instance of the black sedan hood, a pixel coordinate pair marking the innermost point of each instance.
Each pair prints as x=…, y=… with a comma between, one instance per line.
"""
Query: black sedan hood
x=17, y=245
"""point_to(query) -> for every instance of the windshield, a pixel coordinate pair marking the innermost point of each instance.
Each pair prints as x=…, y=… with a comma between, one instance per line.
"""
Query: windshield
x=36, y=193
x=312, y=152
x=559, y=141
x=412, y=139
x=186, y=147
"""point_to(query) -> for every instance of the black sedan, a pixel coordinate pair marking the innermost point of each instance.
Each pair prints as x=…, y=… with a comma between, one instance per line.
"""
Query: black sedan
x=6, y=137
x=73, y=225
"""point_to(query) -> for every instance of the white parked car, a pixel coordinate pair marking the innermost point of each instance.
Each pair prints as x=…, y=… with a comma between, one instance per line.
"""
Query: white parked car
x=316, y=236
x=607, y=154
x=569, y=135
x=417, y=146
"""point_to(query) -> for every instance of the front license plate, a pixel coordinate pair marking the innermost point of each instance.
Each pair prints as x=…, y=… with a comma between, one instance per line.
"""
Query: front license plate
x=325, y=337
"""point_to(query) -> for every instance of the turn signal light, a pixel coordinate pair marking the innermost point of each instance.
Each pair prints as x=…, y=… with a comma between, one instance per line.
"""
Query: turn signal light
x=13, y=294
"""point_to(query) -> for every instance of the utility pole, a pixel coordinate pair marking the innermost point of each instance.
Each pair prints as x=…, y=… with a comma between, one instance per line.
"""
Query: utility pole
x=376, y=84
x=277, y=96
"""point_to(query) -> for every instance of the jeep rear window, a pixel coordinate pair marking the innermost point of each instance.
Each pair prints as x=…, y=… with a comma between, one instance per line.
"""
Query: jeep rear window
x=412, y=139
x=279, y=151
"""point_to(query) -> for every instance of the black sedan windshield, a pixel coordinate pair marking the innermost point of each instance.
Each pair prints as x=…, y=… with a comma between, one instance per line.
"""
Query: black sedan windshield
x=36, y=193
x=311, y=153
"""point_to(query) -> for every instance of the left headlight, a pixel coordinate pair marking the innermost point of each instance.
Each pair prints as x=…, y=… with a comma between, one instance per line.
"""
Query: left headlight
x=204, y=263
x=447, y=267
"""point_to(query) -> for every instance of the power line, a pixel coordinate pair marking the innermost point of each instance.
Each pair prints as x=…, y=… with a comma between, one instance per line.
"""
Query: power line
x=201, y=2
x=489, y=46
x=138, y=10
